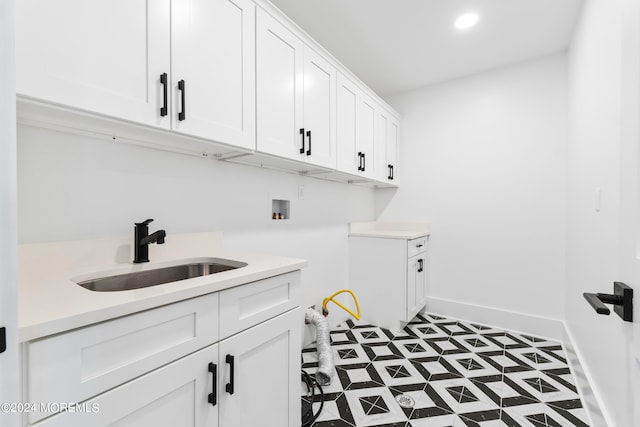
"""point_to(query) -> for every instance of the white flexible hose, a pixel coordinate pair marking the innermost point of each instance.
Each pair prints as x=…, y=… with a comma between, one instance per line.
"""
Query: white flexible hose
x=325, y=356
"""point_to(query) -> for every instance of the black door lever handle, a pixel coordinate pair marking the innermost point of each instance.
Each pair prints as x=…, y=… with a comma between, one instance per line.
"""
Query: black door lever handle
x=596, y=303
x=622, y=300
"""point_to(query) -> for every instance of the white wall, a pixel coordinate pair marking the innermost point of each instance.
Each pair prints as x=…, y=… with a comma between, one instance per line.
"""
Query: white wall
x=8, y=235
x=596, y=65
x=483, y=159
x=73, y=187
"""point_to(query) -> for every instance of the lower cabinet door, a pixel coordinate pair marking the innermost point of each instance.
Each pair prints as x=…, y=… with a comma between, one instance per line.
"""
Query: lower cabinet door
x=180, y=394
x=260, y=374
x=416, y=285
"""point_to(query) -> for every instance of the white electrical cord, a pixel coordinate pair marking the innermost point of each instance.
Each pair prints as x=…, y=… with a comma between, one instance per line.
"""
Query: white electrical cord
x=325, y=356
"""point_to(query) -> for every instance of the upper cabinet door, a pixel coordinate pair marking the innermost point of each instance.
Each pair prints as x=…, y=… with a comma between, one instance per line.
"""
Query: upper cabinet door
x=280, y=59
x=388, y=134
x=392, y=149
x=319, y=110
x=101, y=56
x=213, y=55
x=366, y=134
x=356, y=130
x=348, y=159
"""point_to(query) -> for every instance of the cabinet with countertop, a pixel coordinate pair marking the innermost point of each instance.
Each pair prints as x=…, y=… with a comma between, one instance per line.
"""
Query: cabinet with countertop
x=198, y=361
x=388, y=271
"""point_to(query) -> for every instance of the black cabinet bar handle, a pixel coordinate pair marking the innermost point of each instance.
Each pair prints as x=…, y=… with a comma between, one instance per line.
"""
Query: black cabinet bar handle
x=393, y=172
x=165, y=95
x=231, y=361
x=212, y=398
x=360, y=160
x=309, y=149
x=390, y=172
x=3, y=339
x=420, y=265
x=181, y=88
x=302, y=134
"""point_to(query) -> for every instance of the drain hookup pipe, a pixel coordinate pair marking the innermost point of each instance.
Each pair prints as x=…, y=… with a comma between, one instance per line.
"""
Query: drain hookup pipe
x=326, y=366
x=325, y=357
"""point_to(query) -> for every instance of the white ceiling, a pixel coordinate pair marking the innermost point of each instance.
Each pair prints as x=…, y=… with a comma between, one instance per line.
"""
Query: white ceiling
x=399, y=45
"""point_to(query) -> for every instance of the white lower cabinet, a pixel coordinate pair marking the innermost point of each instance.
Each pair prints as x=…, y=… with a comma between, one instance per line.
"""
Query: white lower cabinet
x=263, y=365
x=389, y=277
x=173, y=395
x=416, y=285
x=167, y=366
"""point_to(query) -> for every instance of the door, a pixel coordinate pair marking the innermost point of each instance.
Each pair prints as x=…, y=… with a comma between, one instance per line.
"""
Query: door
x=101, y=56
x=319, y=110
x=260, y=374
x=8, y=218
x=213, y=54
x=629, y=228
x=184, y=393
x=279, y=88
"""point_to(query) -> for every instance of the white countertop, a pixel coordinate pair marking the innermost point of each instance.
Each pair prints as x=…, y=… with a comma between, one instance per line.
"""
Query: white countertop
x=390, y=230
x=50, y=302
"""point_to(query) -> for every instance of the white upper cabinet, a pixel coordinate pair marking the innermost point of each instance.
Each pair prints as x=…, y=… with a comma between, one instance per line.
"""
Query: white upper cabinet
x=213, y=69
x=347, y=101
x=295, y=96
x=356, y=125
x=319, y=109
x=393, y=149
x=280, y=59
x=186, y=65
x=100, y=56
x=388, y=138
x=234, y=72
x=366, y=134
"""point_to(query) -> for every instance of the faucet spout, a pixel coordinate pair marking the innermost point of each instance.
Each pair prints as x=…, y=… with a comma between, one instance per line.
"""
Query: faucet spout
x=142, y=239
x=157, y=237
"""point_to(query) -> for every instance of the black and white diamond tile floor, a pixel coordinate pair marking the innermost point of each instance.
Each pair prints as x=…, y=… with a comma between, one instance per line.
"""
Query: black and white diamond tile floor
x=441, y=372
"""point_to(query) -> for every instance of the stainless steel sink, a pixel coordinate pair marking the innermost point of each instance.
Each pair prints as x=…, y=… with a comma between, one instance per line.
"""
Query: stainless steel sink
x=159, y=276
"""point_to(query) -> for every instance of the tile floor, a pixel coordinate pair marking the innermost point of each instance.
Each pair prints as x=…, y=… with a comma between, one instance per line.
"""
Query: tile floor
x=443, y=372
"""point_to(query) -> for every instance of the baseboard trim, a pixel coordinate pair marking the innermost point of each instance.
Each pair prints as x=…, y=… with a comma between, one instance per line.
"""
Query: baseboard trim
x=589, y=395
x=543, y=327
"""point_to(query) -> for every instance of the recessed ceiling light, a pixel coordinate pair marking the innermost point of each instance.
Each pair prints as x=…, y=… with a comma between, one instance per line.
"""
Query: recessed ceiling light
x=467, y=20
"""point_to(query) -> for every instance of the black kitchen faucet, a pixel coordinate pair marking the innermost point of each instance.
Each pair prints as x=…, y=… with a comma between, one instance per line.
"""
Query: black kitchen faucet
x=142, y=239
